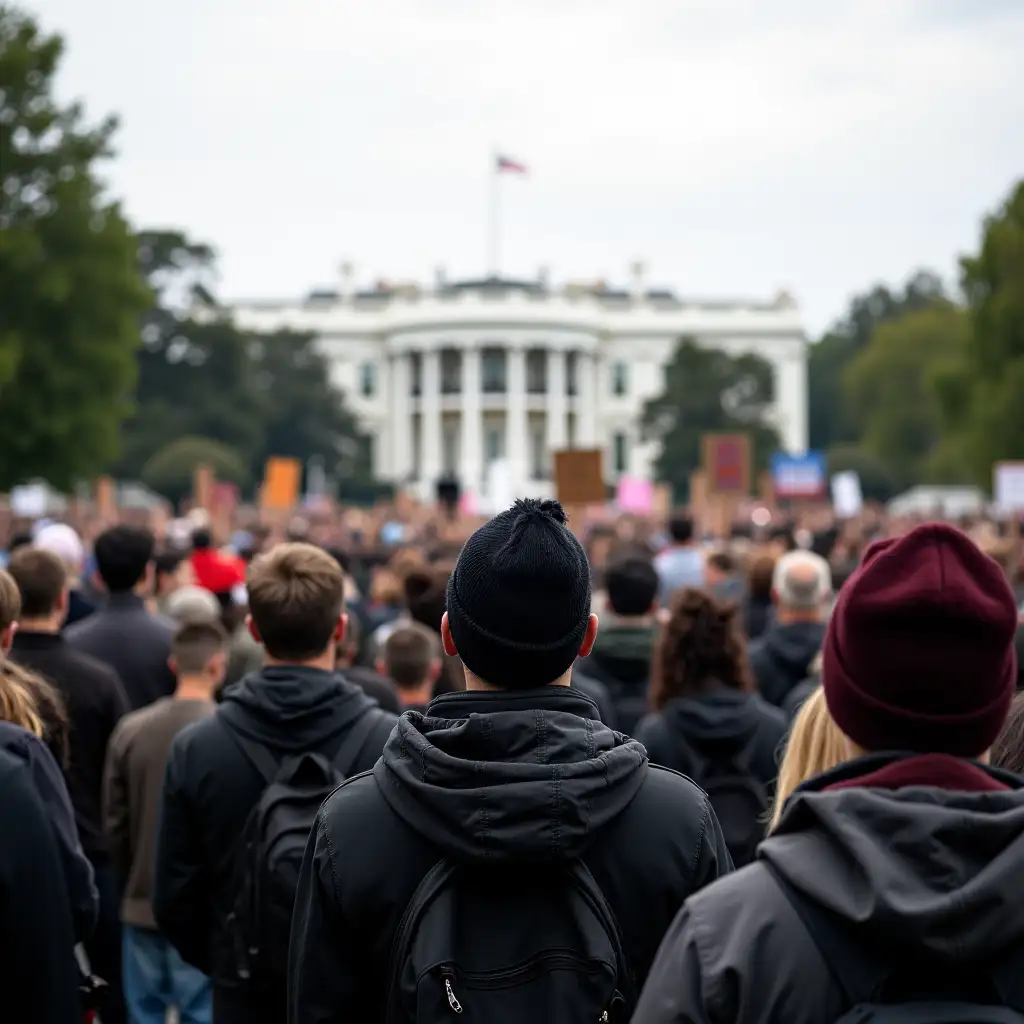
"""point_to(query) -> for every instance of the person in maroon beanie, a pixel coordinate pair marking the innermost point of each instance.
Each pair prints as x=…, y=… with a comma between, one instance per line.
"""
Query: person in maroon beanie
x=896, y=877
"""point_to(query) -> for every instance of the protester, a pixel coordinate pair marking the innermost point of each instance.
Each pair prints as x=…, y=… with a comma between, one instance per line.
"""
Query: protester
x=411, y=659
x=173, y=572
x=709, y=723
x=191, y=604
x=1008, y=751
x=61, y=540
x=245, y=654
x=155, y=976
x=39, y=976
x=757, y=604
x=539, y=822
x=895, y=875
x=621, y=659
x=681, y=564
x=425, y=595
x=211, y=569
x=123, y=634
x=795, y=699
x=814, y=745
x=218, y=769
x=801, y=590
x=372, y=683
x=722, y=577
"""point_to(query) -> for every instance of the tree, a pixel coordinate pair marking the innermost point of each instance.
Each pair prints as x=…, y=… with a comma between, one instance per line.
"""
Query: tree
x=982, y=399
x=889, y=393
x=171, y=470
x=70, y=290
x=707, y=390
x=876, y=483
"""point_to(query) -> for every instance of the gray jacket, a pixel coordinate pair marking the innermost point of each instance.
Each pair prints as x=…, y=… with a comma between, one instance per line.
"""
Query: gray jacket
x=910, y=870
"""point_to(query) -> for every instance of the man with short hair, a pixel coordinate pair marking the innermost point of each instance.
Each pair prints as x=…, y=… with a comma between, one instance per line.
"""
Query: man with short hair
x=155, y=976
x=123, y=634
x=513, y=790
x=296, y=704
x=895, y=877
x=621, y=659
x=722, y=576
x=61, y=540
x=95, y=701
x=411, y=659
x=681, y=564
x=173, y=572
x=369, y=680
x=801, y=592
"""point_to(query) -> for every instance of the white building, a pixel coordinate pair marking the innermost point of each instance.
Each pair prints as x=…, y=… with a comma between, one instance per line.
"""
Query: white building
x=450, y=380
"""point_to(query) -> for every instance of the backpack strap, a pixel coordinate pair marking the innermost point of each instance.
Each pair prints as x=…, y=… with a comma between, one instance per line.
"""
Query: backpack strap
x=351, y=746
x=256, y=754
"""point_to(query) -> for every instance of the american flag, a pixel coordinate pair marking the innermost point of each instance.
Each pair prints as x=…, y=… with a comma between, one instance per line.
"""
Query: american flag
x=505, y=163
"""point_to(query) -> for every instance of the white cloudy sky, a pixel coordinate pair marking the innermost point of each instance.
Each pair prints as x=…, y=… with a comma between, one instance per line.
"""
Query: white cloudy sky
x=734, y=145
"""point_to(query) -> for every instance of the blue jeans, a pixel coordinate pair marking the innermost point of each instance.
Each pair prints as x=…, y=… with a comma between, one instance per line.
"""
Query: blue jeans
x=155, y=977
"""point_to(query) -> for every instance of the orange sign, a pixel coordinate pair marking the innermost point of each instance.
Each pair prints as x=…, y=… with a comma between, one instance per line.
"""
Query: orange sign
x=281, y=480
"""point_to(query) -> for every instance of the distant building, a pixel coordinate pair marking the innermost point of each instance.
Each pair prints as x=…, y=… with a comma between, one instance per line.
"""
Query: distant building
x=449, y=380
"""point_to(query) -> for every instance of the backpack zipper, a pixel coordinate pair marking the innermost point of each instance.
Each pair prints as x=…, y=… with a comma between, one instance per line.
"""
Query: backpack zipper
x=452, y=1001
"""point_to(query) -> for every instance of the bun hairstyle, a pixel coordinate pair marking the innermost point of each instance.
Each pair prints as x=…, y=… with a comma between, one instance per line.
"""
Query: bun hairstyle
x=701, y=646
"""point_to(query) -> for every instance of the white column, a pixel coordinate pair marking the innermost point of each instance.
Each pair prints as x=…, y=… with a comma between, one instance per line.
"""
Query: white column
x=400, y=421
x=586, y=403
x=471, y=450
x=516, y=422
x=557, y=426
x=430, y=419
x=791, y=399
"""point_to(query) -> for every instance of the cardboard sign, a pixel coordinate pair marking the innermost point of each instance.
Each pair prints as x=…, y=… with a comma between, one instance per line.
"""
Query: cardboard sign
x=662, y=504
x=579, y=478
x=202, y=487
x=635, y=495
x=1008, y=486
x=281, y=478
x=106, y=500
x=726, y=464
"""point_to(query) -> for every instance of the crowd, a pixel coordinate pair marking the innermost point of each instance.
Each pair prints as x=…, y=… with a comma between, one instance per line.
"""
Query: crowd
x=321, y=772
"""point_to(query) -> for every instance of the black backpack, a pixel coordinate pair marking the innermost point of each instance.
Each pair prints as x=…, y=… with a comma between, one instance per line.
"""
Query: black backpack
x=271, y=849
x=882, y=988
x=500, y=944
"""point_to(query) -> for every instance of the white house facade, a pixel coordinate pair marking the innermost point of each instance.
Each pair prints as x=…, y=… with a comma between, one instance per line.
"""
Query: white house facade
x=451, y=380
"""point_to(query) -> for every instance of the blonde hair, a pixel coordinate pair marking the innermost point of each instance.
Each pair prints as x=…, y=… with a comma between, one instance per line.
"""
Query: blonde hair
x=814, y=746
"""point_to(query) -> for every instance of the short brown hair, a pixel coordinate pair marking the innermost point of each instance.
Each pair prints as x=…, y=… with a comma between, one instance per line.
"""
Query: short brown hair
x=760, y=581
x=296, y=594
x=195, y=643
x=41, y=578
x=10, y=600
x=408, y=653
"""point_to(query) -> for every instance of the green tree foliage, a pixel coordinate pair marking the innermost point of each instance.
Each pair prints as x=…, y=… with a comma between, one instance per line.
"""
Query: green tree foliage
x=171, y=470
x=70, y=291
x=982, y=398
x=889, y=390
x=707, y=390
x=876, y=482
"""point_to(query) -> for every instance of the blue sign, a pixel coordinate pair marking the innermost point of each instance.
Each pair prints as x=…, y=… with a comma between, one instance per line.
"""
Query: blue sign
x=799, y=476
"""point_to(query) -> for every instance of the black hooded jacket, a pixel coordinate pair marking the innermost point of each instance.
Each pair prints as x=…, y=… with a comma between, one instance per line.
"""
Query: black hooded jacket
x=717, y=725
x=211, y=787
x=529, y=777
x=783, y=656
x=916, y=868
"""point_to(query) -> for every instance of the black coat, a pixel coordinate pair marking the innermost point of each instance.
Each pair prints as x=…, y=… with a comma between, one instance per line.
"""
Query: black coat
x=135, y=644
x=210, y=788
x=38, y=972
x=783, y=657
x=95, y=702
x=499, y=776
x=904, y=865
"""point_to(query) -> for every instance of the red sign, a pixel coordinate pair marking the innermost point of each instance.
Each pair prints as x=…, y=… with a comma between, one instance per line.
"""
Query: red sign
x=727, y=463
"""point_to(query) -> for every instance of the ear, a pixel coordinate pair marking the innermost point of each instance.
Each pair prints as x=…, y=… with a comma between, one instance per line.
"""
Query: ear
x=340, y=627
x=382, y=667
x=446, y=637
x=172, y=664
x=253, y=630
x=97, y=582
x=62, y=603
x=7, y=637
x=217, y=666
x=589, y=637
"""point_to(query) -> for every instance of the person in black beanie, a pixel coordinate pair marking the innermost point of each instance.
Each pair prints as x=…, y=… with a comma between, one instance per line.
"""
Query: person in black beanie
x=516, y=780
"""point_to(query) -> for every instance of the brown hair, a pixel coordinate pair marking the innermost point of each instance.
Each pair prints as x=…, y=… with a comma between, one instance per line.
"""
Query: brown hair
x=41, y=578
x=408, y=654
x=296, y=595
x=701, y=645
x=195, y=643
x=762, y=568
x=1008, y=750
x=386, y=588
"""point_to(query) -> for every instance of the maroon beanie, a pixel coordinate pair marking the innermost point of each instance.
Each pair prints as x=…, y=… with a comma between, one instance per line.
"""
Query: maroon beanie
x=919, y=651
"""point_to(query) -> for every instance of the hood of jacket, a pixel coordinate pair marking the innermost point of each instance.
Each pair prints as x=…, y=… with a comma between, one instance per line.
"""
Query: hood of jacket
x=916, y=866
x=718, y=722
x=523, y=776
x=291, y=708
x=621, y=654
x=795, y=646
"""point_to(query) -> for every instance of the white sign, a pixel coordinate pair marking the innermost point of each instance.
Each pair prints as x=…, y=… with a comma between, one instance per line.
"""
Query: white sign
x=1008, y=486
x=500, y=494
x=29, y=501
x=846, y=494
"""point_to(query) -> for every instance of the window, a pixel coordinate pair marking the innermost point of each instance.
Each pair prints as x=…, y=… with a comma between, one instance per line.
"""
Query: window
x=572, y=373
x=620, y=378
x=415, y=374
x=451, y=371
x=620, y=453
x=536, y=372
x=450, y=445
x=538, y=449
x=494, y=443
x=493, y=366
x=368, y=380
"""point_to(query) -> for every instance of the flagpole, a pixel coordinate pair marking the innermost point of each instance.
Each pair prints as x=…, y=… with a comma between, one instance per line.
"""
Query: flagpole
x=494, y=219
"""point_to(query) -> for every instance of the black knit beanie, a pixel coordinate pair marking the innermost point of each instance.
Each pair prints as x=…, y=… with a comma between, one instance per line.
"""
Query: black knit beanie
x=519, y=598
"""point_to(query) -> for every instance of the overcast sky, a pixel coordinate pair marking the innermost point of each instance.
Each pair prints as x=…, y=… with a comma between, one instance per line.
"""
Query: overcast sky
x=736, y=146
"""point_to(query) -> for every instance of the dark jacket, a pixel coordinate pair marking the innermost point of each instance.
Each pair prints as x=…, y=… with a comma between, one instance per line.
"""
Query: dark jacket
x=79, y=607
x=621, y=660
x=95, y=702
x=917, y=854
x=38, y=972
x=717, y=725
x=757, y=616
x=797, y=697
x=497, y=776
x=782, y=657
x=133, y=643
x=45, y=776
x=211, y=787
x=375, y=686
x=599, y=694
